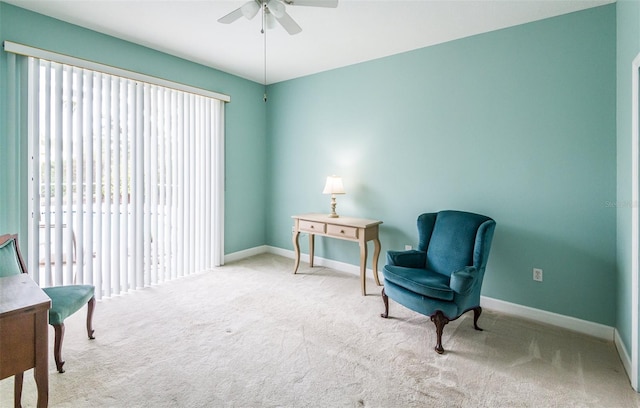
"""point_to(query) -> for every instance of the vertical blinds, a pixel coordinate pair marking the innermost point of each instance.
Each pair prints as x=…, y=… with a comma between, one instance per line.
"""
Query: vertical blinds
x=127, y=179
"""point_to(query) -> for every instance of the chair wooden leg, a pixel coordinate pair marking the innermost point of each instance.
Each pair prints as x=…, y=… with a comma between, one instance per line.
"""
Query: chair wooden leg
x=440, y=320
x=476, y=314
x=17, y=390
x=385, y=299
x=90, y=306
x=57, y=346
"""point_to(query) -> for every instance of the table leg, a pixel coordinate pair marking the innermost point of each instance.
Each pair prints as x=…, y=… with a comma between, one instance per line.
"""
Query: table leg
x=41, y=369
x=363, y=267
x=376, y=254
x=17, y=390
x=296, y=249
x=311, y=248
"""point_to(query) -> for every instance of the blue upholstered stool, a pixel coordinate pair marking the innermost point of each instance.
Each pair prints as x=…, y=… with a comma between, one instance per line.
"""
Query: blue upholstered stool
x=65, y=301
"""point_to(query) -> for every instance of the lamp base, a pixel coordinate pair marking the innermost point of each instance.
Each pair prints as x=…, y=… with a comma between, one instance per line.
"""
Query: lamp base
x=333, y=207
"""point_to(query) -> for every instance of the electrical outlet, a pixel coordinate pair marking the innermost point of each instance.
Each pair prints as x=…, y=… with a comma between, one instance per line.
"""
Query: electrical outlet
x=407, y=247
x=537, y=274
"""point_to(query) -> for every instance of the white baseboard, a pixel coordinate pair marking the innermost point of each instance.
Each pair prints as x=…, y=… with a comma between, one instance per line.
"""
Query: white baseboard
x=317, y=261
x=622, y=352
x=236, y=256
x=582, y=326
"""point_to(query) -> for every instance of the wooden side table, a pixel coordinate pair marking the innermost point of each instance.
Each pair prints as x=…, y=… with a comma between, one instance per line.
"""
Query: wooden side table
x=24, y=335
x=348, y=228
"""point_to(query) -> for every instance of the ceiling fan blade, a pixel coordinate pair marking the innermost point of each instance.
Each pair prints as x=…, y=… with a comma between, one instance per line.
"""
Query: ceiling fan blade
x=289, y=24
x=313, y=3
x=231, y=17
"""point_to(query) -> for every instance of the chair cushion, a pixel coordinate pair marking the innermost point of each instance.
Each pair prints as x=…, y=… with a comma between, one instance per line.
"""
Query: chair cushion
x=420, y=281
x=9, y=262
x=66, y=300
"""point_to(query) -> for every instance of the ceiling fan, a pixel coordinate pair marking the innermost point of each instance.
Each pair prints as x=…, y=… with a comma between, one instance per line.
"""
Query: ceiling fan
x=277, y=9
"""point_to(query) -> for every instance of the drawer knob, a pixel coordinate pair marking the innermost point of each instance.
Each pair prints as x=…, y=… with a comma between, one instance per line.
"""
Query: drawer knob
x=312, y=227
x=342, y=231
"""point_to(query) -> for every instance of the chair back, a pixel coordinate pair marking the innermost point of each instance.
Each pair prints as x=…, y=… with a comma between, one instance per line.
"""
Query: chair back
x=455, y=239
x=10, y=259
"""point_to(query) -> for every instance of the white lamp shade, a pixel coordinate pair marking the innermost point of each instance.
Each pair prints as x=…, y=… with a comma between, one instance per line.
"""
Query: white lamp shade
x=333, y=185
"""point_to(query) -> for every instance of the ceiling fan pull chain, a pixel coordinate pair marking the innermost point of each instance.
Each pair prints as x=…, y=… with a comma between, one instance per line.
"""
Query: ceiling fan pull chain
x=264, y=33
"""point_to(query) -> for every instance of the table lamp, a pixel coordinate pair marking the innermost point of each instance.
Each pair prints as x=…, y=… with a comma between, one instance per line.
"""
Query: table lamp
x=333, y=186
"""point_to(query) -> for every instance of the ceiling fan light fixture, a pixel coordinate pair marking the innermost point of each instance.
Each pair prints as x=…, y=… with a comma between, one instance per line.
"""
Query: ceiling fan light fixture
x=250, y=9
x=313, y=3
x=276, y=8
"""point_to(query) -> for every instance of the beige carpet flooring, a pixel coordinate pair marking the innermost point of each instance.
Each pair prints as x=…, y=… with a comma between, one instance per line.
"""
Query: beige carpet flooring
x=252, y=334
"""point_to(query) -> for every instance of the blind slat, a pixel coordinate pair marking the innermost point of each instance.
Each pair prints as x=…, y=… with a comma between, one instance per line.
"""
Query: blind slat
x=80, y=133
x=67, y=137
x=57, y=118
x=89, y=177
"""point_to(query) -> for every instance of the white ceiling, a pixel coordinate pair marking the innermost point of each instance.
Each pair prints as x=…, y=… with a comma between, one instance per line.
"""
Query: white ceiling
x=355, y=31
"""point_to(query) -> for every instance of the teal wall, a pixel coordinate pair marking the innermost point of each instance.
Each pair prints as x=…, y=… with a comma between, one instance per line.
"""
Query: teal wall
x=245, y=117
x=518, y=124
x=628, y=42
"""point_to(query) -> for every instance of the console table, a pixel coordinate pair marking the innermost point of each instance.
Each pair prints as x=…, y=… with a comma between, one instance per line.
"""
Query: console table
x=24, y=335
x=348, y=228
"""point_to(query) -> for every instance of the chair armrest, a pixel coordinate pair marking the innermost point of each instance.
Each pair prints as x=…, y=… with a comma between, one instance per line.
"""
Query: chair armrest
x=409, y=259
x=463, y=280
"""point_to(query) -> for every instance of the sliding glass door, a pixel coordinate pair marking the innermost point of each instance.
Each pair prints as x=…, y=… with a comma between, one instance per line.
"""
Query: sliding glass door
x=125, y=179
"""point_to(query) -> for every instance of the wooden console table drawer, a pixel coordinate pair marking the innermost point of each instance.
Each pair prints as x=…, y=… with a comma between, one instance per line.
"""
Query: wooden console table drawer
x=314, y=227
x=348, y=228
x=342, y=231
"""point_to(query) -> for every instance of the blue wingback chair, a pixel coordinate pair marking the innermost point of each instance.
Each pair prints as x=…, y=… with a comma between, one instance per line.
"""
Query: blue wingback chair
x=65, y=300
x=443, y=277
